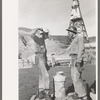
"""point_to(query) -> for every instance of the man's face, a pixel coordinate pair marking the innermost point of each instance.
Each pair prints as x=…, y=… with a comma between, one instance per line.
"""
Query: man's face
x=38, y=34
x=79, y=29
x=42, y=34
x=70, y=34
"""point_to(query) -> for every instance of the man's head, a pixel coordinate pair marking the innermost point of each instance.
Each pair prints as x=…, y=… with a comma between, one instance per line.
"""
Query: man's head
x=72, y=31
x=43, y=33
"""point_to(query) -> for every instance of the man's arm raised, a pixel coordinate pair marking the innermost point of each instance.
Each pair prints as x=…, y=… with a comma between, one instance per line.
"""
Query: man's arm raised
x=33, y=32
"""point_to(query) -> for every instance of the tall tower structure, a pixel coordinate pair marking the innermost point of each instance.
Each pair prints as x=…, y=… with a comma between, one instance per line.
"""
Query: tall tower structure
x=76, y=18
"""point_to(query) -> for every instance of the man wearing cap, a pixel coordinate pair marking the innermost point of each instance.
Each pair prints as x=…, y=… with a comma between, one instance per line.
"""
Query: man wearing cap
x=76, y=50
x=39, y=35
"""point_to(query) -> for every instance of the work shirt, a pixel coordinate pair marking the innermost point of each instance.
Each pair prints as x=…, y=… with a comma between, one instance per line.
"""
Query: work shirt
x=38, y=43
x=77, y=46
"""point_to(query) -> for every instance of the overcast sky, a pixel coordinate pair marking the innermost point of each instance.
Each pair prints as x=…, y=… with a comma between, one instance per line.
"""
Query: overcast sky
x=55, y=15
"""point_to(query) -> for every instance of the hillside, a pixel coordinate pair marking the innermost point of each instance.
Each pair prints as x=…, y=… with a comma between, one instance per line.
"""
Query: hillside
x=61, y=38
x=55, y=44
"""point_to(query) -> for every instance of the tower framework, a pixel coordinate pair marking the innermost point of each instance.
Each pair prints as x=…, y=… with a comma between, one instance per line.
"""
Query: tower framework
x=77, y=19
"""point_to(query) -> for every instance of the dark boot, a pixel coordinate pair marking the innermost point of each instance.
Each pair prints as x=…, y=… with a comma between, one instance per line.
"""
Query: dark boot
x=40, y=95
x=48, y=95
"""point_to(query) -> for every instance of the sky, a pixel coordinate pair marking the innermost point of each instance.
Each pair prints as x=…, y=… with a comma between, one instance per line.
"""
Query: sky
x=55, y=15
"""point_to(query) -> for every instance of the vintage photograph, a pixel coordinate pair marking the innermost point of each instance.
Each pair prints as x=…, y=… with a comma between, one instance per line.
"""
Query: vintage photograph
x=57, y=49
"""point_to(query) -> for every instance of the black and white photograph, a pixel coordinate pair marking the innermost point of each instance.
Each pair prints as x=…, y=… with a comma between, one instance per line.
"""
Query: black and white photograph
x=57, y=50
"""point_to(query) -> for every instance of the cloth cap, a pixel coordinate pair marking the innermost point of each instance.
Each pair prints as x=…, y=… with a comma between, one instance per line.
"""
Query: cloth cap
x=72, y=29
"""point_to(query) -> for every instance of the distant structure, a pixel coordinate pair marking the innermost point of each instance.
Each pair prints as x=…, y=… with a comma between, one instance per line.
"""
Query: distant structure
x=76, y=18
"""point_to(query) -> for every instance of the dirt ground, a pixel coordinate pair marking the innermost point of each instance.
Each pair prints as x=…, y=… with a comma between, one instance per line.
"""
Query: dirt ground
x=28, y=79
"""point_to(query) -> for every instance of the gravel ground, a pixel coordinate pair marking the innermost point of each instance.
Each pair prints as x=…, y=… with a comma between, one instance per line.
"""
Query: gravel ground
x=28, y=79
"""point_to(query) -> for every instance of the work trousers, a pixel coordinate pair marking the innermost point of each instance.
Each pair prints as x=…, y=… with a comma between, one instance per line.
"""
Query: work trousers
x=79, y=87
x=43, y=73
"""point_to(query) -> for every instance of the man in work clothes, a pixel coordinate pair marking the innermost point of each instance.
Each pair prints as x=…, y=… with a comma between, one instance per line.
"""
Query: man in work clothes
x=53, y=61
x=76, y=50
x=39, y=35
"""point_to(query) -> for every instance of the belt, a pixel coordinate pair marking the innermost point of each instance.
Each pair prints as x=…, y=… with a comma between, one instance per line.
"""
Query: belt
x=73, y=54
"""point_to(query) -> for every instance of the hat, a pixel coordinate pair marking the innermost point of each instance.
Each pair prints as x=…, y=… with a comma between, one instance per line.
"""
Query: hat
x=72, y=29
x=60, y=72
